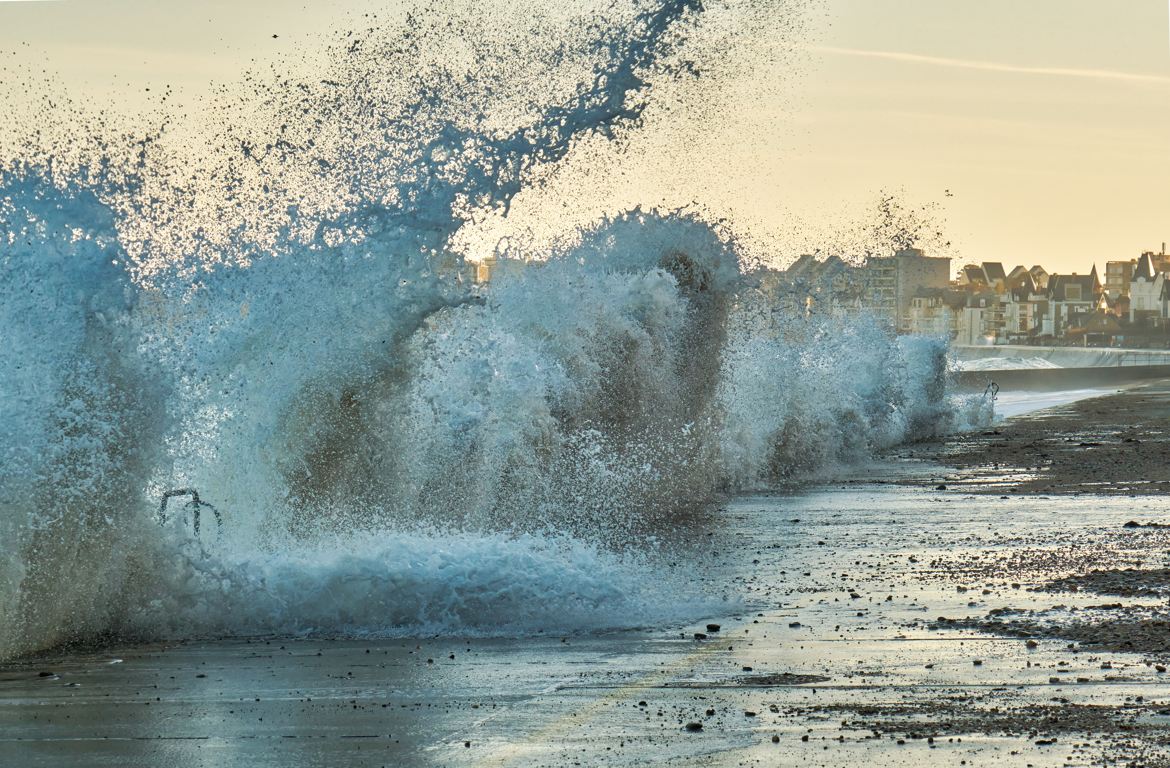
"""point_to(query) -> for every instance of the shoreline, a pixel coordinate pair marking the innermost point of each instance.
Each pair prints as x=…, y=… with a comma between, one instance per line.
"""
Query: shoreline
x=884, y=621
x=1114, y=444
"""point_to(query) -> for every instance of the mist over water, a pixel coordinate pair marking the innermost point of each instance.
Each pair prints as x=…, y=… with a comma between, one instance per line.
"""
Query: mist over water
x=280, y=318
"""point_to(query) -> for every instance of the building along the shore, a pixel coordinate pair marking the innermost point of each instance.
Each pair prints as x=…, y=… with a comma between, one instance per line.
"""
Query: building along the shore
x=1148, y=300
x=885, y=286
x=986, y=303
x=1118, y=275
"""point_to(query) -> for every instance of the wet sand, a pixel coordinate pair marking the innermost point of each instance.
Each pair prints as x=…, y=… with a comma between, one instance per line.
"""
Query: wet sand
x=1108, y=447
x=871, y=623
x=1114, y=444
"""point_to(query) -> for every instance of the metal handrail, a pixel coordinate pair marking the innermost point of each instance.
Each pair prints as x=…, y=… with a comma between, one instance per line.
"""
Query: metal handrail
x=992, y=390
x=195, y=505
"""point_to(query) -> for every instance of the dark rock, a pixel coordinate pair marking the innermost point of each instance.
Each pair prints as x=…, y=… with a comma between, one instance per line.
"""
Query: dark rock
x=784, y=678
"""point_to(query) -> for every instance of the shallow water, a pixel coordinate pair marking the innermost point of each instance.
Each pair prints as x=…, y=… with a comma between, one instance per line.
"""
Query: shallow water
x=1018, y=403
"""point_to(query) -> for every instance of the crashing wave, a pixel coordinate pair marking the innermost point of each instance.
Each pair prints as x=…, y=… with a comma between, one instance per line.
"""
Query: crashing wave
x=396, y=448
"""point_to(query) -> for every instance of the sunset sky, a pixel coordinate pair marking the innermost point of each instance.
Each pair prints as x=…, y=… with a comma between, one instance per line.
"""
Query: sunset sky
x=1041, y=128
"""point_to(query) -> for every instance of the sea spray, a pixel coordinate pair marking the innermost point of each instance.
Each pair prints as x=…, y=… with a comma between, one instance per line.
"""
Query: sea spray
x=81, y=414
x=395, y=449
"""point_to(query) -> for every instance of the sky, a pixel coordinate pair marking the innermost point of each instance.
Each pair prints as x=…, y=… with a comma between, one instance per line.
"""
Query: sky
x=1049, y=121
x=1039, y=129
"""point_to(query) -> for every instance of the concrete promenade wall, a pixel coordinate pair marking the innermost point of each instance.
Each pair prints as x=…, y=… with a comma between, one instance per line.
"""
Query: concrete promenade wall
x=1068, y=357
x=1059, y=379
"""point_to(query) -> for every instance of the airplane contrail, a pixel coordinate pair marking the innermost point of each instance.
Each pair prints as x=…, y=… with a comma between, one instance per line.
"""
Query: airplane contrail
x=991, y=66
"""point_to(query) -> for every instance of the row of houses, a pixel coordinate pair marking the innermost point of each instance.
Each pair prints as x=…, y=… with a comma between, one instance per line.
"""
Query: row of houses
x=986, y=303
x=1132, y=306
x=983, y=304
x=885, y=286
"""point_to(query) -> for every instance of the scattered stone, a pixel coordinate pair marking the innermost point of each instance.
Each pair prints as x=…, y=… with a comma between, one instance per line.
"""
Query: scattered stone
x=783, y=678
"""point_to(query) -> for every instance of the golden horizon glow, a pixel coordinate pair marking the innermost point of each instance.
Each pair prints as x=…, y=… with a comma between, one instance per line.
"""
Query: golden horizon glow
x=1039, y=129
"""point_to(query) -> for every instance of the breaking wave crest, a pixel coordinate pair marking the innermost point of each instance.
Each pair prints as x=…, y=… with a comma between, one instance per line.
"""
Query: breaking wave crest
x=395, y=448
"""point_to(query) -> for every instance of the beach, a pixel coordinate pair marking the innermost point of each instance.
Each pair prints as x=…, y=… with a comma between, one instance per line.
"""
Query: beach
x=951, y=603
x=1109, y=444
x=582, y=384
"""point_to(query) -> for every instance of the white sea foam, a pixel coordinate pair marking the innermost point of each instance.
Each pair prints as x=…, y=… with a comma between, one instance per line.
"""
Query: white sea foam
x=1008, y=363
x=393, y=583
